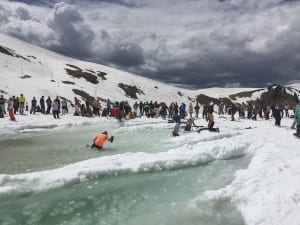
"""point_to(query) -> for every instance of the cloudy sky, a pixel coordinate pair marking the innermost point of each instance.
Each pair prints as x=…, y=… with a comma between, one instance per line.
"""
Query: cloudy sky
x=198, y=43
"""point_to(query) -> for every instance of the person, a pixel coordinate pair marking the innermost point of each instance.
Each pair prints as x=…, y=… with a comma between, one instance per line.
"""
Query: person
x=96, y=107
x=49, y=104
x=191, y=109
x=2, y=104
x=55, y=109
x=297, y=116
x=21, y=100
x=16, y=104
x=286, y=109
x=197, y=107
x=42, y=104
x=33, y=106
x=233, y=111
x=100, y=139
x=64, y=106
x=175, y=131
x=277, y=115
x=10, y=108
x=293, y=126
x=189, y=123
x=210, y=118
x=1, y=113
x=77, y=104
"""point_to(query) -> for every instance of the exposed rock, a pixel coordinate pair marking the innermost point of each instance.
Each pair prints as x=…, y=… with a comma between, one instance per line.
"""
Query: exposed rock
x=88, y=75
x=68, y=82
x=25, y=76
x=80, y=74
x=83, y=95
x=204, y=99
x=3, y=92
x=130, y=91
x=278, y=94
x=11, y=52
x=102, y=75
x=245, y=94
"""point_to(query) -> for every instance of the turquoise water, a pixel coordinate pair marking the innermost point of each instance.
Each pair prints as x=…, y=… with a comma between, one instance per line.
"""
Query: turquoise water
x=162, y=197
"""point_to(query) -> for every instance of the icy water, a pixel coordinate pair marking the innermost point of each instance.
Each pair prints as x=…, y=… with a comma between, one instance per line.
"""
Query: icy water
x=157, y=188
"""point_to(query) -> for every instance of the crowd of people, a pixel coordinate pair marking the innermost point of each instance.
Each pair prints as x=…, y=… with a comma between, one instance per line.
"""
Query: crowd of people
x=175, y=112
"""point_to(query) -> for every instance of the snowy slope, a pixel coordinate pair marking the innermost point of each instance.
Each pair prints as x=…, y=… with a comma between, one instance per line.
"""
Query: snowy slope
x=45, y=66
x=48, y=77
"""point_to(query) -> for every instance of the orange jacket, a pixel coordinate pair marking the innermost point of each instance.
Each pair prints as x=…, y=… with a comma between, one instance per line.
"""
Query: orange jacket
x=100, y=139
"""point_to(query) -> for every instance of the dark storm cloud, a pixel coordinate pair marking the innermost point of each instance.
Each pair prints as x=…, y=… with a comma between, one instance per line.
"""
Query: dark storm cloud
x=23, y=14
x=127, y=3
x=4, y=15
x=75, y=37
x=48, y=3
x=51, y=3
x=199, y=43
x=127, y=54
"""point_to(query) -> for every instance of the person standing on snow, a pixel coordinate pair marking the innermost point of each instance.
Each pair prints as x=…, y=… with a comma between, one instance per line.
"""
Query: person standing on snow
x=2, y=104
x=55, y=109
x=49, y=103
x=197, y=107
x=277, y=115
x=42, y=104
x=33, y=106
x=21, y=100
x=10, y=108
x=191, y=110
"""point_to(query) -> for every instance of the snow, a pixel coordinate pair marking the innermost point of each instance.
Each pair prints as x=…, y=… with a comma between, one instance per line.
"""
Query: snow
x=267, y=192
x=47, y=66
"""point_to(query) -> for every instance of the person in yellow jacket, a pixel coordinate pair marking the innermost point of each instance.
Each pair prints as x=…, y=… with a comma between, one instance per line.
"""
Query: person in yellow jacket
x=21, y=101
x=100, y=139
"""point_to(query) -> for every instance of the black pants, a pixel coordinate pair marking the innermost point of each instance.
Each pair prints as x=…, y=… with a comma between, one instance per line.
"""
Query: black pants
x=95, y=146
x=55, y=114
x=277, y=121
x=210, y=128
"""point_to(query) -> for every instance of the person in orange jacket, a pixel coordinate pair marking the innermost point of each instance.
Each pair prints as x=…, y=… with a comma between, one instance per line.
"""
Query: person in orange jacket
x=100, y=139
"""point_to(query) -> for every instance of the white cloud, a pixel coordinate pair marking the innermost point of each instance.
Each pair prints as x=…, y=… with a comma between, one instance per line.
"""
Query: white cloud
x=254, y=42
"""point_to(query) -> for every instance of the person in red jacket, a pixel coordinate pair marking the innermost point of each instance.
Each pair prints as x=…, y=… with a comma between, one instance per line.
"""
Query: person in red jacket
x=100, y=139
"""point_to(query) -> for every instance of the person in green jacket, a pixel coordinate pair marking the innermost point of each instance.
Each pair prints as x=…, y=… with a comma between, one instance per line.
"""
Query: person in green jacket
x=297, y=116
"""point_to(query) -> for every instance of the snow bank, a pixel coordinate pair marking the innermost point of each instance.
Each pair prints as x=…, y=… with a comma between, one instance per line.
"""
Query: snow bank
x=268, y=191
x=185, y=156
